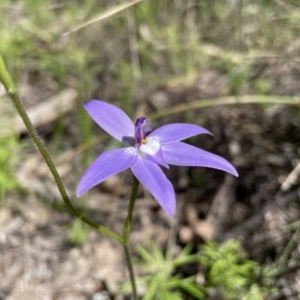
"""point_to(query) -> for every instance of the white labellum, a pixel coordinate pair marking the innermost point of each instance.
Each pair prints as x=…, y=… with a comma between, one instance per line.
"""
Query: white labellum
x=151, y=147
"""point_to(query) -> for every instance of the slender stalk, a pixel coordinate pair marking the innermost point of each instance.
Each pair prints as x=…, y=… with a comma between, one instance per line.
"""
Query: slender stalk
x=290, y=247
x=228, y=100
x=10, y=88
x=126, y=236
x=128, y=258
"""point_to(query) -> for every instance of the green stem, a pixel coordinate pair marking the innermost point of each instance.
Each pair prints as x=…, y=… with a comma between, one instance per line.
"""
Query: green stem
x=290, y=247
x=10, y=88
x=126, y=235
x=228, y=100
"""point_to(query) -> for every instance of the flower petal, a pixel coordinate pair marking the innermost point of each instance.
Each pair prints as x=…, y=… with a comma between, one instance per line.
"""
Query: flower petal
x=111, y=119
x=156, y=182
x=181, y=154
x=106, y=165
x=157, y=158
x=152, y=151
x=176, y=132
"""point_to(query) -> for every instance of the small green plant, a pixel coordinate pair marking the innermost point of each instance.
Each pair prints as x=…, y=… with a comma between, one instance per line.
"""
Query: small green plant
x=227, y=270
x=78, y=232
x=261, y=86
x=160, y=281
x=229, y=275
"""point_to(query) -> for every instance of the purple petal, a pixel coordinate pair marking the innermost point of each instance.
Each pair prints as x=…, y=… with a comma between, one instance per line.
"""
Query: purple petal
x=176, y=132
x=181, y=154
x=156, y=182
x=158, y=158
x=106, y=165
x=111, y=119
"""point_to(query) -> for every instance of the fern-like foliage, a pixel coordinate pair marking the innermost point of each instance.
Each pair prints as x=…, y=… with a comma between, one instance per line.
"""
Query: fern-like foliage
x=160, y=281
x=229, y=272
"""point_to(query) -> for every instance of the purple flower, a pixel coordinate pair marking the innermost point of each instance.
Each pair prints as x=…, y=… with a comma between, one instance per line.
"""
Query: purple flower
x=146, y=149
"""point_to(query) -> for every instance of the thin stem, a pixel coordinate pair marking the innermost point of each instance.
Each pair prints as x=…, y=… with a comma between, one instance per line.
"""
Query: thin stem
x=228, y=100
x=128, y=221
x=126, y=236
x=290, y=247
x=130, y=269
x=10, y=88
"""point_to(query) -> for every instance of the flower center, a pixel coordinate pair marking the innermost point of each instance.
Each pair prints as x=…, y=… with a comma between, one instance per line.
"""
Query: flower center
x=142, y=129
x=151, y=147
x=145, y=145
